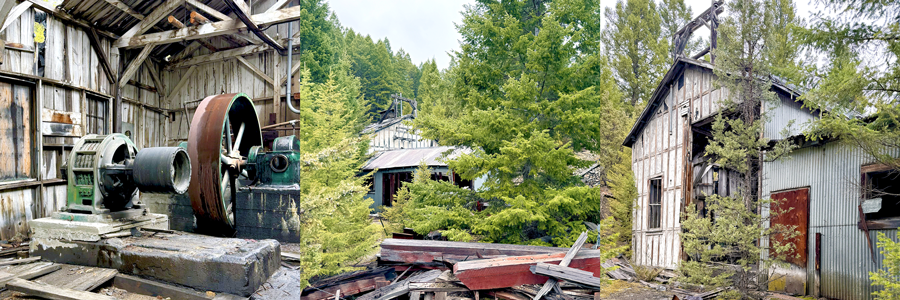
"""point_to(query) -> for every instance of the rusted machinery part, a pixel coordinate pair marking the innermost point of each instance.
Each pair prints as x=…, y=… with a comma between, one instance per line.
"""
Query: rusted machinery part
x=223, y=129
x=162, y=170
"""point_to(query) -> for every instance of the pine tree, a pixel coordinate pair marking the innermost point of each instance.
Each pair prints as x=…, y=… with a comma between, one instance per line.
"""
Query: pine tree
x=639, y=56
x=857, y=87
x=532, y=89
x=334, y=225
x=319, y=36
x=737, y=229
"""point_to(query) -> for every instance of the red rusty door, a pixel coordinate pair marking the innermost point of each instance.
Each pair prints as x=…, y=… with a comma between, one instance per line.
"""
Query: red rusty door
x=795, y=207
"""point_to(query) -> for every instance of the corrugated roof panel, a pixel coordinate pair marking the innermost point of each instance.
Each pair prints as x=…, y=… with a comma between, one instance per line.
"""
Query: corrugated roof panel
x=404, y=158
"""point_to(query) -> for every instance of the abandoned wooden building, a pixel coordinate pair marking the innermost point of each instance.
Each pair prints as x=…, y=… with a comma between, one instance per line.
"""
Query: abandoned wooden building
x=71, y=68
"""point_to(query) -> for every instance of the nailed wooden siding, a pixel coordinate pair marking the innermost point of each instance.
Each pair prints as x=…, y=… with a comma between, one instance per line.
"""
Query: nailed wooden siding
x=72, y=74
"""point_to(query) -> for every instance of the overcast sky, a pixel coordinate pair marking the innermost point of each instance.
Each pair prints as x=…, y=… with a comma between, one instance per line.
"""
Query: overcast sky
x=425, y=28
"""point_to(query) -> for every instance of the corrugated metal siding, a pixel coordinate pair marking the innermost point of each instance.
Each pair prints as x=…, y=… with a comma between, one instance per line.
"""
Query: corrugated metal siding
x=781, y=113
x=832, y=174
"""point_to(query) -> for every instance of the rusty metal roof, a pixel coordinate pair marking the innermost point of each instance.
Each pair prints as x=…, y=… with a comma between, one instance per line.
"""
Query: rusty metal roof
x=405, y=158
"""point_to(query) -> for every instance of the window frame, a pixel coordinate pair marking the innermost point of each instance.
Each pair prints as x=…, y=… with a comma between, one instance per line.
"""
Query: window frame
x=654, y=208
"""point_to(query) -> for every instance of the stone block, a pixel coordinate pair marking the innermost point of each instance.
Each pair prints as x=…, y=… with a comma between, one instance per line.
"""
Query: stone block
x=228, y=265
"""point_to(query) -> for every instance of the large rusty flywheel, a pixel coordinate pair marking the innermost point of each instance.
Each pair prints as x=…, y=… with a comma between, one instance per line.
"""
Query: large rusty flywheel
x=223, y=129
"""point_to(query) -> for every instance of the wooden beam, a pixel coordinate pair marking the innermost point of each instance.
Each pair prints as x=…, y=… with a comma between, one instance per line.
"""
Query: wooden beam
x=135, y=65
x=294, y=70
x=158, y=14
x=13, y=14
x=278, y=5
x=101, y=53
x=262, y=20
x=208, y=10
x=243, y=13
x=142, y=86
x=567, y=274
x=198, y=19
x=157, y=289
x=565, y=263
x=154, y=75
x=62, y=15
x=172, y=20
x=255, y=70
x=178, y=86
x=193, y=46
x=125, y=8
x=47, y=291
x=219, y=56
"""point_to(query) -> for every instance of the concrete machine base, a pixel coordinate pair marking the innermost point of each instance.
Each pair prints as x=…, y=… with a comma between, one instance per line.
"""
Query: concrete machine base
x=228, y=265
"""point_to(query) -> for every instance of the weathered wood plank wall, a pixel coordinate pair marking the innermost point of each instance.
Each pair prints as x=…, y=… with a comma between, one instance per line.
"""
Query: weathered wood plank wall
x=71, y=98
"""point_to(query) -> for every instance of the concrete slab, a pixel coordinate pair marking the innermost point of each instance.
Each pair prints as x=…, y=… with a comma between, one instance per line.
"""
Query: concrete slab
x=229, y=265
x=91, y=228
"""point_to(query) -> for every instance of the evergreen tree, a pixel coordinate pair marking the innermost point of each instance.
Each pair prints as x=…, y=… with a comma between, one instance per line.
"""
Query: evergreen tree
x=334, y=225
x=639, y=56
x=532, y=90
x=319, y=34
x=857, y=87
x=738, y=227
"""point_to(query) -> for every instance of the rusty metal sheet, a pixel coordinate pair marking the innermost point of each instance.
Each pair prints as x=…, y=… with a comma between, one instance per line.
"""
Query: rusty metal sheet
x=796, y=203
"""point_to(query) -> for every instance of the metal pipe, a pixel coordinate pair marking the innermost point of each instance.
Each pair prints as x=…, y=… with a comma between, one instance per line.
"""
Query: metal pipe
x=290, y=96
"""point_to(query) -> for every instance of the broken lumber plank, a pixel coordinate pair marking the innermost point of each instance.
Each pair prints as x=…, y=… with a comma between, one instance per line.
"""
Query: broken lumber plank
x=29, y=271
x=47, y=291
x=20, y=261
x=422, y=251
x=79, y=278
x=567, y=274
x=400, y=288
x=551, y=283
x=436, y=287
x=511, y=271
x=290, y=256
x=507, y=295
x=155, y=288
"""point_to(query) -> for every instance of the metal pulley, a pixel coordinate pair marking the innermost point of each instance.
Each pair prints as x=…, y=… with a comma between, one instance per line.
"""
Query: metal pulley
x=223, y=130
x=105, y=172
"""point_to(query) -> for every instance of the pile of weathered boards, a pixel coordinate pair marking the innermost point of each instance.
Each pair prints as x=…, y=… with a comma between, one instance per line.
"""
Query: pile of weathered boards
x=442, y=270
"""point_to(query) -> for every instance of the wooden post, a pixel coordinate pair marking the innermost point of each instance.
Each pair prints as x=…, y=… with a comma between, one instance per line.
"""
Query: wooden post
x=276, y=87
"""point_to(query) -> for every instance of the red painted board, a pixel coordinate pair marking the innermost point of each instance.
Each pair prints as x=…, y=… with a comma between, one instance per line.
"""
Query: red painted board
x=512, y=271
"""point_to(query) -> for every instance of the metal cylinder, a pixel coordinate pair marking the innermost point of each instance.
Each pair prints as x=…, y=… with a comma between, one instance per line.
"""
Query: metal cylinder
x=162, y=170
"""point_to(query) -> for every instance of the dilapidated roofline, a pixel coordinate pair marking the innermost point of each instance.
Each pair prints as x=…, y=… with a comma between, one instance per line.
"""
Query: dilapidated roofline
x=663, y=88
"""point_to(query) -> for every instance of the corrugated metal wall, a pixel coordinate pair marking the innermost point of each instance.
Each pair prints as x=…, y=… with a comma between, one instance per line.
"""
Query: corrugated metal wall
x=781, y=113
x=831, y=172
x=398, y=136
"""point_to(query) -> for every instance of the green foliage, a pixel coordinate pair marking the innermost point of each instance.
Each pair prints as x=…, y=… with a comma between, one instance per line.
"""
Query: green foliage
x=320, y=38
x=334, y=224
x=860, y=78
x=638, y=55
x=381, y=72
x=735, y=244
x=624, y=195
x=887, y=277
x=724, y=250
x=528, y=89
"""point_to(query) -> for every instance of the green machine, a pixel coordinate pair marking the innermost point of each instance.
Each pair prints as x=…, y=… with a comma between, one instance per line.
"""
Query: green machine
x=279, y=167
x=105, y=173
